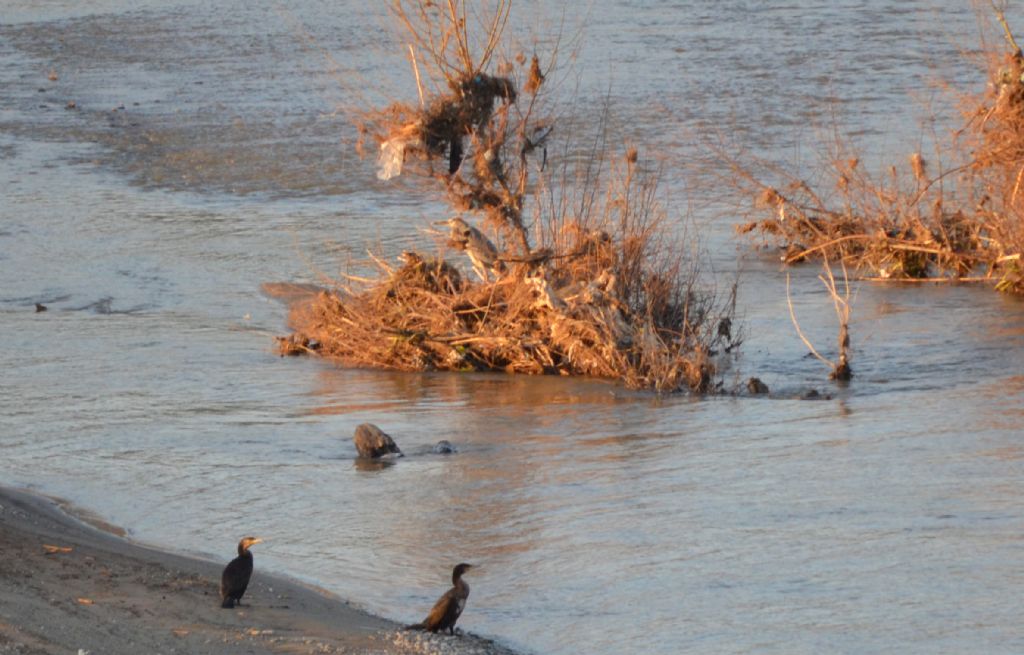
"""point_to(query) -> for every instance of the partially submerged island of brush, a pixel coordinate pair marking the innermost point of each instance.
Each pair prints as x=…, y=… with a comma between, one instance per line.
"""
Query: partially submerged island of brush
x=576, y=269
x=956, y=218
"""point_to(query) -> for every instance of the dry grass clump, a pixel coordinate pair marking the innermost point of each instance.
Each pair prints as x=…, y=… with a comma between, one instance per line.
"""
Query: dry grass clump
x=609, y=304
x=1008, y=240
x=915, y=221
x=994, y=135
x=895, y=228
x=587, y=276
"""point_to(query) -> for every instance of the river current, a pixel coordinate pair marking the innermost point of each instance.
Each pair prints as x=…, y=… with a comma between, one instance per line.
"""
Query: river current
x=209, y=150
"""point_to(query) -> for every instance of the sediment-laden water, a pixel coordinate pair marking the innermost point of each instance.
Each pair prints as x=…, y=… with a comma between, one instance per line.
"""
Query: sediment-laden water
x=209, y=151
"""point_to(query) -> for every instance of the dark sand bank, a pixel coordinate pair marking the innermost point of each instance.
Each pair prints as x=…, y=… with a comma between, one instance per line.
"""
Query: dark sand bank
x=67, y=587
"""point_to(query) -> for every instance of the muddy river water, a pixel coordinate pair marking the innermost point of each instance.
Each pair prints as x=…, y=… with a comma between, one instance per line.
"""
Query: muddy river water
x=209, y=151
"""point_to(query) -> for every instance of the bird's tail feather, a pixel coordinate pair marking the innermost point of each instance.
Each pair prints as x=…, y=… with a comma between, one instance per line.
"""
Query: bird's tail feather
x=416, y=626
x=229, y=603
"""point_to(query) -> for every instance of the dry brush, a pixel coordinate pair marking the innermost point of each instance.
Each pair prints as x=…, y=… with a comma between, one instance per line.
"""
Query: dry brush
x=917, y=220
x=576, y=266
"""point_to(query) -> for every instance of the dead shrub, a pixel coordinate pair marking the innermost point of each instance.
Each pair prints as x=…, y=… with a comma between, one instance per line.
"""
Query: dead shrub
x=994, y=136
x=918, y=220
x=588, y=277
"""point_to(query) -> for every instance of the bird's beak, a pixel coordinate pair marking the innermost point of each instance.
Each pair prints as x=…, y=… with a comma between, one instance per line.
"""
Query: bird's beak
x=440, y=223
x=255, y=541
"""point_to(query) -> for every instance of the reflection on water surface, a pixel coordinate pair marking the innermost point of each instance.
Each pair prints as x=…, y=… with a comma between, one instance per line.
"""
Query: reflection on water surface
x=206, y=157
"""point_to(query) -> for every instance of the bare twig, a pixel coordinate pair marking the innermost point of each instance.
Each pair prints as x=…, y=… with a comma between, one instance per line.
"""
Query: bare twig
x=840, y=369
x=1001, y=17
x=800, y=332
x=416, y=71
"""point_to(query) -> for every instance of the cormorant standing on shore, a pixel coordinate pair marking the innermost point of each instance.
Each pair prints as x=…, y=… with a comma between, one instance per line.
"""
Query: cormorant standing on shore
x=449, y=607
x=236, y=574
x=371, y=441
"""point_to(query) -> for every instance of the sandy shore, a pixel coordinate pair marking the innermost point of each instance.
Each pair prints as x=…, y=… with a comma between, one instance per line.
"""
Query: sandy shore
x=69, y=587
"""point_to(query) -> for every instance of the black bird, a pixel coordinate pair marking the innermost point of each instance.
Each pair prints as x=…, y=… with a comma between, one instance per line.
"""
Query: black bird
x=236, y=574
x=449, y=607
x=371, y=441
x=444, y=447
x=455, y=154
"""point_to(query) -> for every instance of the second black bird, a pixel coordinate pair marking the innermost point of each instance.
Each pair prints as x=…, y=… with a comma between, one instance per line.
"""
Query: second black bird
x=448, y=608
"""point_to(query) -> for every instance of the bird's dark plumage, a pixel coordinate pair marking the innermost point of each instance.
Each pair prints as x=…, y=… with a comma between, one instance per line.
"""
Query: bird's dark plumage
x=448, y=608
x=235, y=579
x=455, y=154
x=371, y=441
x=444, y=447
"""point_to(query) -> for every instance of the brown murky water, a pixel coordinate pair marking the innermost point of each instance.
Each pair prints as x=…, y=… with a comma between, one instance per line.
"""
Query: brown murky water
x=205, y=155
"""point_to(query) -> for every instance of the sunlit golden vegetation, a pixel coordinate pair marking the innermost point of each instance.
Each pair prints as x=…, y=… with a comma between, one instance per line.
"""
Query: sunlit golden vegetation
x=957, y=217
x=577, y=265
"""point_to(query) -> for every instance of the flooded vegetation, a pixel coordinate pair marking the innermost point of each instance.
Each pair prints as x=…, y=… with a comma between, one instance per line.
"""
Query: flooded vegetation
x=956, y=218
x=209, y=152
x=589, y=277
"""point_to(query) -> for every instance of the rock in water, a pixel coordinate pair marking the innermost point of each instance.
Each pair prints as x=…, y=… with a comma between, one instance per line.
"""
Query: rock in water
x=371, y=441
